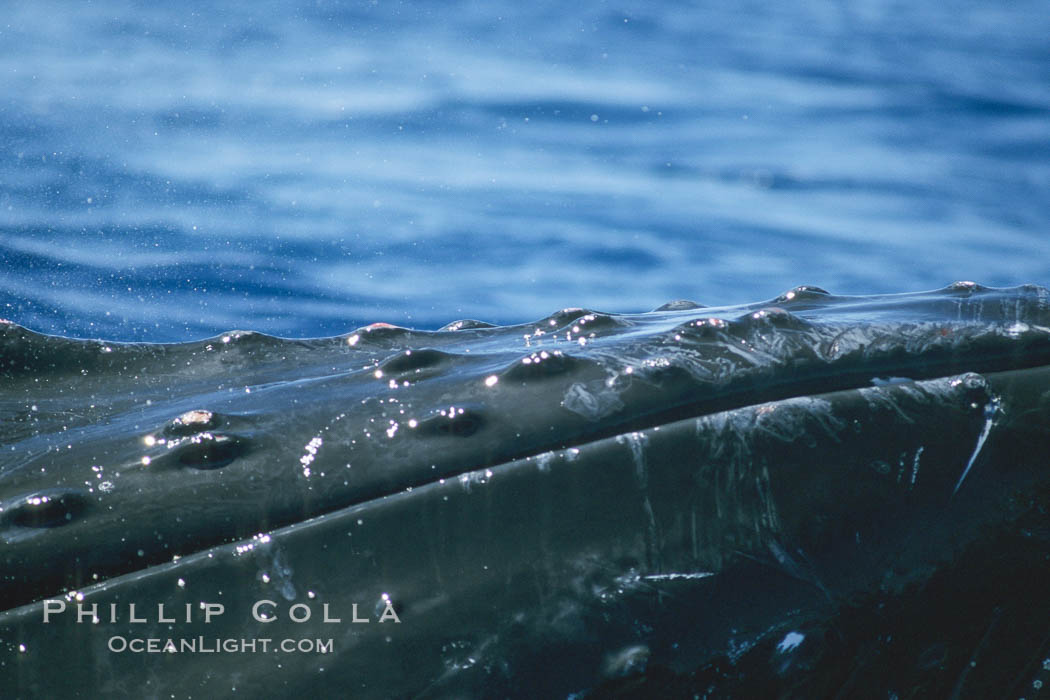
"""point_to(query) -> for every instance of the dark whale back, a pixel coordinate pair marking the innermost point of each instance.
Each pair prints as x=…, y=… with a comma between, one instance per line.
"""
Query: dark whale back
x=810, y=436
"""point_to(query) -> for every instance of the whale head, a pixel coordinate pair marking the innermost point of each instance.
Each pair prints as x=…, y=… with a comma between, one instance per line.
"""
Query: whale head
x=123, y=463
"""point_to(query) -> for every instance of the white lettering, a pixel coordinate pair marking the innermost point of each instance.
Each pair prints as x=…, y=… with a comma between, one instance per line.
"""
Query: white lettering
x=212, y=610
x=258, y=615
x=50, y=609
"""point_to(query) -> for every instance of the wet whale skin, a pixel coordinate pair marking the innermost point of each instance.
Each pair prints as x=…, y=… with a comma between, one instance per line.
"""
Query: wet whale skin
x=805, y=496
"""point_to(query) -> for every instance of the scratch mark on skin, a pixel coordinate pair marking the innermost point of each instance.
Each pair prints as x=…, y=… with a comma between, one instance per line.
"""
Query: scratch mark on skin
x=990, y=409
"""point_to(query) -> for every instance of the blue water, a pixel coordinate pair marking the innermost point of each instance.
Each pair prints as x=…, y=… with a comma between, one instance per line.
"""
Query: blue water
x=168, y=173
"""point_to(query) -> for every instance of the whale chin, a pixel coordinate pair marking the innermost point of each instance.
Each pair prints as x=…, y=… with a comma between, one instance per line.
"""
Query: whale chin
x=806, y=496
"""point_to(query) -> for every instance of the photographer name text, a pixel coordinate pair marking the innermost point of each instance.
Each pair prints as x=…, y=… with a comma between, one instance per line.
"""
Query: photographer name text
x=264, y=611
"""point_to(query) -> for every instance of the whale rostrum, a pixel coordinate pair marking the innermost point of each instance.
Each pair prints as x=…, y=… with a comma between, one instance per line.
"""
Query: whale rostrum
x=476, y=510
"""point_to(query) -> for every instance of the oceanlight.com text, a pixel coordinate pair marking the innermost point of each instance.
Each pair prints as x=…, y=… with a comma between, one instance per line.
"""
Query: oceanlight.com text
x=206, y=645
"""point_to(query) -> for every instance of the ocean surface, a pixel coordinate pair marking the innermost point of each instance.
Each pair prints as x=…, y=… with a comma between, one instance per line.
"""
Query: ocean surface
x=169, y=172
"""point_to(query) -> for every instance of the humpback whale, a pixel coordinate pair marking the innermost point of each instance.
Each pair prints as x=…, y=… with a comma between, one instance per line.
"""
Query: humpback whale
x=579, y=506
